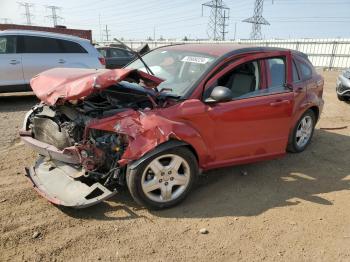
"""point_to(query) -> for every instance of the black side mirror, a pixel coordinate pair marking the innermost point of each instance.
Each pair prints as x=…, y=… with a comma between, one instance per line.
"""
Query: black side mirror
x=219, y=94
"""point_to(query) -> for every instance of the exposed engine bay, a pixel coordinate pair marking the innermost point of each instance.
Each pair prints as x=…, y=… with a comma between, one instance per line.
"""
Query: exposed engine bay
x=64, y=127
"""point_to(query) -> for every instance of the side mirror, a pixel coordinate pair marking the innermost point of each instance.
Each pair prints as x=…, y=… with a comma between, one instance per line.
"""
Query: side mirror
x=219, y=94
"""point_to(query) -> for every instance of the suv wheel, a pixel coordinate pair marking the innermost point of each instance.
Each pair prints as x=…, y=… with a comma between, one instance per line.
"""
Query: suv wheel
x=302, y=133
x=165, y=179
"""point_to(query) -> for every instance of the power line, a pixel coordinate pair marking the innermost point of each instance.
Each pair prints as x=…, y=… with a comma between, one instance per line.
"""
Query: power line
x=217, y=22
x=27, y=13
x=54, y=15
x=257, y=20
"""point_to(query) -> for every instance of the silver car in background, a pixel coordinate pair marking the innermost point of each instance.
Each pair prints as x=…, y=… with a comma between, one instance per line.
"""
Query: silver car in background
x=343, y=85
x=24, y=54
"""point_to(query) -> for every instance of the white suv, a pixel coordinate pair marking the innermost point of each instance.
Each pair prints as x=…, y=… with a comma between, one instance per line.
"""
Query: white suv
x=24, y=54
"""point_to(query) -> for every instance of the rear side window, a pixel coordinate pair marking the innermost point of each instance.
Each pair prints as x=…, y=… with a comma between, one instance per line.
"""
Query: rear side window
x=296, y=76
x=306, y=71
x=71, y=47
x=7, y=44
x=35, y=44
x=277, y=71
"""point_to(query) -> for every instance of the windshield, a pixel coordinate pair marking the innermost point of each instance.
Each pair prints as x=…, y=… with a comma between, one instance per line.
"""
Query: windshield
x=179, y=69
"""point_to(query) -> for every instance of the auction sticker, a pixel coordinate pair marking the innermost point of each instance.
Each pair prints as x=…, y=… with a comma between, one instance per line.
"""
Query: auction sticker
x=195, y=59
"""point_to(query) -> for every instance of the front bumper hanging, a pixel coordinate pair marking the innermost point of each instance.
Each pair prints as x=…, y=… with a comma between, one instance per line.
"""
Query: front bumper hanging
x=60, y=184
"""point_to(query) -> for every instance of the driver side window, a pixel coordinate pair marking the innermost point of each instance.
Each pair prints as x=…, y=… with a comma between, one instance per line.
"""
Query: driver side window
x=243, y=81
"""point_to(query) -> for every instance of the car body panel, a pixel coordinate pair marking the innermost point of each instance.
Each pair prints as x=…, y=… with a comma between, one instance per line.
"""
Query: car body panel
x=11, y=70
x=343, y=84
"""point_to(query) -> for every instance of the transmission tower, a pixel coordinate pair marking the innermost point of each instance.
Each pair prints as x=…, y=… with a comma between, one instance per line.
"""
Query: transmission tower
x=217, y=20
x=27, y=13
x=54, y=17
x=257, y=20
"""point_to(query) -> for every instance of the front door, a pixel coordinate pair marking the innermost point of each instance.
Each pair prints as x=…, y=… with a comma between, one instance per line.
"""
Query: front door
x=256, y=122
x=11, y=73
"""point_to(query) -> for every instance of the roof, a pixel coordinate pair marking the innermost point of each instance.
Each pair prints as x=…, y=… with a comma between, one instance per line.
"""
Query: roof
x=219, y=49
x=42, y=33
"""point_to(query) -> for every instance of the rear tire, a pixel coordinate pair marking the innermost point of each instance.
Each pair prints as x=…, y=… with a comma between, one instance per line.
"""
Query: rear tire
x=302, y=133
x=165, y=179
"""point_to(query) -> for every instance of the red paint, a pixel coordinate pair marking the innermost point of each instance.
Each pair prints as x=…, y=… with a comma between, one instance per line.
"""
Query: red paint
x=221, y=134
x=63, y=84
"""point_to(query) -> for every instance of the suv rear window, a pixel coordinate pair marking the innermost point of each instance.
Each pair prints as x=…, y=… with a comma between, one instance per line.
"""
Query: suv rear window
x=7, y=44
x=71, y=47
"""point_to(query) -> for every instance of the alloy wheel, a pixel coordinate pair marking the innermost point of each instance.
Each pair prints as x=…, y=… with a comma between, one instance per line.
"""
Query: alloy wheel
x=165, y=178
x=304, y=131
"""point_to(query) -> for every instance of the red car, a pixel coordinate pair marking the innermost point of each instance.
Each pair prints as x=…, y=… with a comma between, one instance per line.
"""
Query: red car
x=159, y=122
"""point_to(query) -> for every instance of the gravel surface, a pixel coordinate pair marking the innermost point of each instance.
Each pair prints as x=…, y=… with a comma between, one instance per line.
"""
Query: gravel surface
x=290, y=209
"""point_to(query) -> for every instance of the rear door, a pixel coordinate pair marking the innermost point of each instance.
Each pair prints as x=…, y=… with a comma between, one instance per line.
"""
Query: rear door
x=39, y=54
x=10, y=62
x=74, y=55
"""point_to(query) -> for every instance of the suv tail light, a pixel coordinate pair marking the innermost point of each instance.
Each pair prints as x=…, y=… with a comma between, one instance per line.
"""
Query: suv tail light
x=102, y=60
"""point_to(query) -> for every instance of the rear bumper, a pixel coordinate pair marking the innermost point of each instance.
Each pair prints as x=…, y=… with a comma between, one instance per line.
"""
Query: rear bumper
x=55, y=181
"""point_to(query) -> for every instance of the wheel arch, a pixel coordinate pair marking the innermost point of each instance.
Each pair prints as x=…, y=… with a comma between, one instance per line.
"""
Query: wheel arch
x=316, y=111
x=172, y=143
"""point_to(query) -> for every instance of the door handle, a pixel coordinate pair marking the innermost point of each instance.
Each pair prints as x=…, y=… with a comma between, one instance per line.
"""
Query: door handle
x=280, y=102
x=61, y=61
x=14, y=62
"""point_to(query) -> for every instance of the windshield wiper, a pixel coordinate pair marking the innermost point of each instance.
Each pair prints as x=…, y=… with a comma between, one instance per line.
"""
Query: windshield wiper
x=149, y=71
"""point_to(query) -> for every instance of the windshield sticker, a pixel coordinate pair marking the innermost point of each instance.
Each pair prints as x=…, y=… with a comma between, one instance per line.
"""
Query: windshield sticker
x=195, y=59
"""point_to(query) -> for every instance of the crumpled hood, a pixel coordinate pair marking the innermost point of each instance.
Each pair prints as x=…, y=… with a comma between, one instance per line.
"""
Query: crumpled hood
x=62, y=84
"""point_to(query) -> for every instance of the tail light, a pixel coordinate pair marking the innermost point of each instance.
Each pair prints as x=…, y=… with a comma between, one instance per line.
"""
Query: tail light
x=102, y=60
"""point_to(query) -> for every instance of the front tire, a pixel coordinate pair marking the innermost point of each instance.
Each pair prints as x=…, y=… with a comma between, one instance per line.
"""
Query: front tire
x=302, y=133
x=165, y=179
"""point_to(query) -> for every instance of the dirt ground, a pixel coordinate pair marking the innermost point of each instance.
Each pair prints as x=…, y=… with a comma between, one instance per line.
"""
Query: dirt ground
x=290, y=209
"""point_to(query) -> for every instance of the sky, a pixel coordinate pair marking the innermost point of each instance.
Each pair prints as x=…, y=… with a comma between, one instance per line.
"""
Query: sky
x=139, y=19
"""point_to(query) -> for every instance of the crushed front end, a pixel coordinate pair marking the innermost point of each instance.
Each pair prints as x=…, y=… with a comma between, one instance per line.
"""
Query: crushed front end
x=80, y=143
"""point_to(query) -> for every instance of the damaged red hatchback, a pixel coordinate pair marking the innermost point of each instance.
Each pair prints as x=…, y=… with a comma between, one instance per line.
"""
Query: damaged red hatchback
x=156, y=124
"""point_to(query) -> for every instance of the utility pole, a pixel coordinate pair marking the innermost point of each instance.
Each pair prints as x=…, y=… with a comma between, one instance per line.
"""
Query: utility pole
x=107, y=33
x=217, y=19
x=27, y=13
x=234, y=38
x=54, y=15
x=257, y=20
